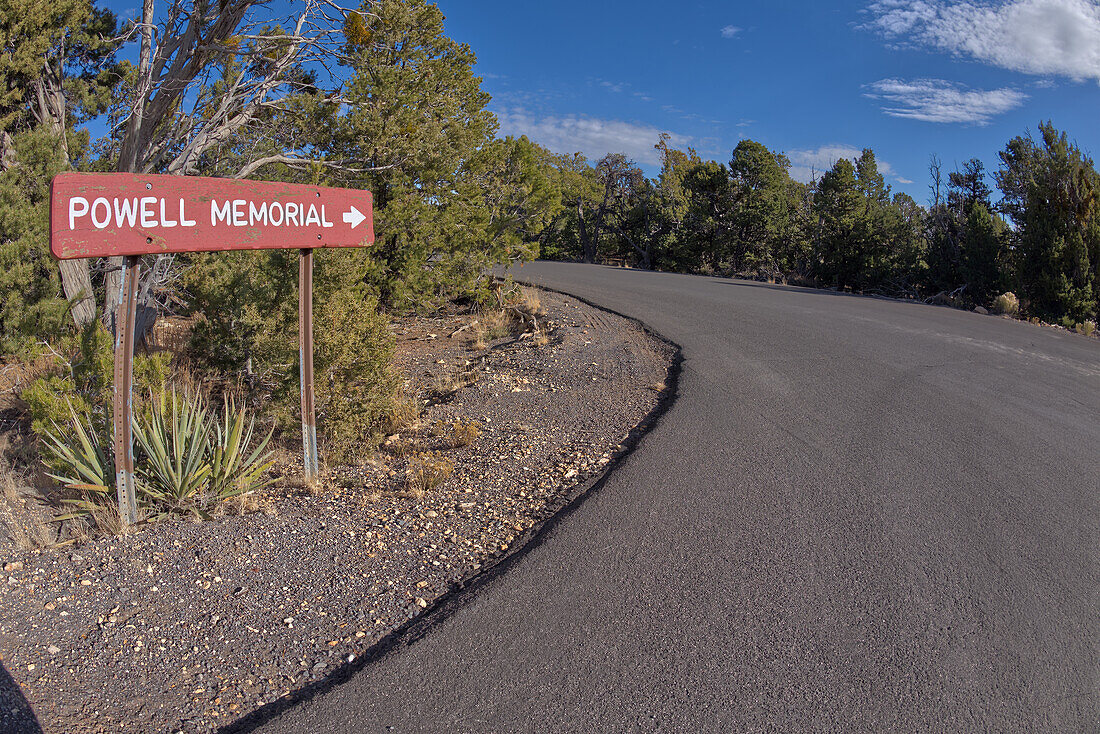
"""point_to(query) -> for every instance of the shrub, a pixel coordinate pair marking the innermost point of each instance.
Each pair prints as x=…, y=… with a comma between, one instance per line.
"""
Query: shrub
x=1088, y=328
x=464, y=433
x=357, y=391
x=1007, y=303
x=83, y=381
x=249, y=303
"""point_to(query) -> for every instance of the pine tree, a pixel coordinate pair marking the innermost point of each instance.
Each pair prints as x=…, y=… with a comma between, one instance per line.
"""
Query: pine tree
x=1051, y=194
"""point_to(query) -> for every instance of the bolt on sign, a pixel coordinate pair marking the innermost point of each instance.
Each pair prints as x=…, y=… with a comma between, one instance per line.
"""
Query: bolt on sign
x=104, y=215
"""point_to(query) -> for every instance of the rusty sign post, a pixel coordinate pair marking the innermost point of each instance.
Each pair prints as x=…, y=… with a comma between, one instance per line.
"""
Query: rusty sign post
x=305, y=363
x=104, y=215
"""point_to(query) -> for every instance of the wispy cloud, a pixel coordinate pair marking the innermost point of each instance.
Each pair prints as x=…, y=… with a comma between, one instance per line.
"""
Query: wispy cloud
x=592, y=136
x=730, y=31
x=808, y=164
x=1045, y=37
x=937, y=100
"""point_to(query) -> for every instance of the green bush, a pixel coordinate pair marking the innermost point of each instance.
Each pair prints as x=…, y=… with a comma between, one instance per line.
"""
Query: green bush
x=249, y=328
x=84, y=381
x=355, y=386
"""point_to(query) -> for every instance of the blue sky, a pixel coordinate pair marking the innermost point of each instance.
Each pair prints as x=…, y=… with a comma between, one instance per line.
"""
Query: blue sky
x=816, y=80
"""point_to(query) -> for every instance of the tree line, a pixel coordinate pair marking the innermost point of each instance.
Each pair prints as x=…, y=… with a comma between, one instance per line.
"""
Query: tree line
x=378, y=97
x=846, y=229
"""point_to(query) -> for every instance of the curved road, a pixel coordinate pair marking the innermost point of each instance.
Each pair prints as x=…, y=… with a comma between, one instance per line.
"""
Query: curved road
x=859, y=515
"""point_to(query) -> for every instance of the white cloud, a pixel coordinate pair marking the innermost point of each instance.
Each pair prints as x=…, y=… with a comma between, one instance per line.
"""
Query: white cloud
x=1045, y=37
x=589, y=135
x=730, y=31
x=808, y=164
x=936, y=100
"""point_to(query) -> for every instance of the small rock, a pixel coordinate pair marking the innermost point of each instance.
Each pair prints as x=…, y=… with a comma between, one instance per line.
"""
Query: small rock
x=13, y=566
x=980, y=309
x=85, y=582
x=53, y=649
x=421, y=603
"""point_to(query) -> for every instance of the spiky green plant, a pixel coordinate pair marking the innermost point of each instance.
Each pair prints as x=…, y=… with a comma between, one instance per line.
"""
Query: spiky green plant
x=79, y=461
x=174, y=470
x=234, y=471
x=187, y=458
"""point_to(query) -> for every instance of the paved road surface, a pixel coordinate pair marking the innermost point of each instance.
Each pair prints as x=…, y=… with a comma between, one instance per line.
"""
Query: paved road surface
x=859, y=515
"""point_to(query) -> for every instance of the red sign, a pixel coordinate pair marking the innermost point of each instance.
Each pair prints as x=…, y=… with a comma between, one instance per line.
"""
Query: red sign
x=102, y=214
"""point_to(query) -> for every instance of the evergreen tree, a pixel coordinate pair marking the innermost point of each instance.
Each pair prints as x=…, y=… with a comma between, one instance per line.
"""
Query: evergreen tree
x=838, y=205
x=762, y=206
x=417, y=125
x=1050, y=192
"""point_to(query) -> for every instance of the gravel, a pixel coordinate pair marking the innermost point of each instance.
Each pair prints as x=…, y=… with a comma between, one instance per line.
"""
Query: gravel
x=188, y=626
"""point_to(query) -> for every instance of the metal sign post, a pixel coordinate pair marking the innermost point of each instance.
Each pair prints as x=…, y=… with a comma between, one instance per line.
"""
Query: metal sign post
x=104, y=215
x=305, y=362
x=123, y=390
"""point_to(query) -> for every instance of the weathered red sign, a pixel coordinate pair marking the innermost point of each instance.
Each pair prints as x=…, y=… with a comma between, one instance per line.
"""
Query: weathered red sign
x=96, y=215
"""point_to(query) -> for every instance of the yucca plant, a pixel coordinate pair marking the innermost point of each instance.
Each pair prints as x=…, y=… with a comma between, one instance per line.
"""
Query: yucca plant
x=78, y=461
x=174, y=468
x=234, y=471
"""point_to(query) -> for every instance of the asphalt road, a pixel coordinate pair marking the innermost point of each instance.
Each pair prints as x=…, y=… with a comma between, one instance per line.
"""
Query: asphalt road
x=859, y=515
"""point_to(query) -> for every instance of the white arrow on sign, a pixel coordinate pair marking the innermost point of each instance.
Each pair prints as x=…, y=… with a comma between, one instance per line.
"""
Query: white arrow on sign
x=354, y=217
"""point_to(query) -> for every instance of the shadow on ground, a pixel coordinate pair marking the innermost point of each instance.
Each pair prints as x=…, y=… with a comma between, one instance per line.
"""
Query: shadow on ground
x=16, y=715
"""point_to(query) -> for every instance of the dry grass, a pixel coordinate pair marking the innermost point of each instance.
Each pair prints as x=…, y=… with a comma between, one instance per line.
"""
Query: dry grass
x=1007, y=303
x=426, y=472
x=23, y=525
x=531, y=303
x=464, y=433
x=242, y=504
x=1088, y=328
x=405, y=413
x=106, y=520
x=451, y=379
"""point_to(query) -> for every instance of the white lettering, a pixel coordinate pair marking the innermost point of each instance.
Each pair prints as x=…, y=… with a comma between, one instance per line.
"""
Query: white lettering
x=311, y=216
x=271, y=212
x=292, y=211
x=238, y=213
x=324, y=222
x=216, y=212
x=257, y=214
x=126, y=211
x=184, y=221
x=78, y=207
x=148, y=216
x=101, y=223
x=165, y=222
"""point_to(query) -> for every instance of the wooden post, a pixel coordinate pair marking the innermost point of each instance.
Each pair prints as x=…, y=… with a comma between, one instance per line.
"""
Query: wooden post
x=123, y=390
x=305, y=360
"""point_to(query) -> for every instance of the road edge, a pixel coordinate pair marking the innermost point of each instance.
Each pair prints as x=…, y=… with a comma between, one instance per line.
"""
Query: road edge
x=466, y=590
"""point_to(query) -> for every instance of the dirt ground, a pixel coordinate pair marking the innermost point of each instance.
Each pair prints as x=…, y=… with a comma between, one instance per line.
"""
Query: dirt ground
x=189, y=626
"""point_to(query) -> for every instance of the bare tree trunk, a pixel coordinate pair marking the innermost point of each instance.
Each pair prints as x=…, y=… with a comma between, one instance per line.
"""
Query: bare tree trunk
x=76, y=279
x=132, y=142
x=588, y=252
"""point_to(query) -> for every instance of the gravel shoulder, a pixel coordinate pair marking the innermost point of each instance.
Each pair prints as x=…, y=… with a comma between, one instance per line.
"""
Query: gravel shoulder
x=188, y=627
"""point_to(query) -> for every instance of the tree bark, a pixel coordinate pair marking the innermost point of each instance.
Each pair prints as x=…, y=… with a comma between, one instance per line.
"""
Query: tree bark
x=132, y=142
x=76, y=278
